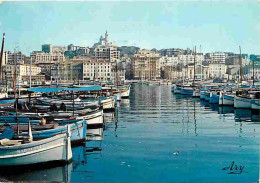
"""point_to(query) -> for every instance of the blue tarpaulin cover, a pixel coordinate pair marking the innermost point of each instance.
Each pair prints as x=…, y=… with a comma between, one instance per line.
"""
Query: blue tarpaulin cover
x=44, y=90
x=84, y=88
x=8, y=133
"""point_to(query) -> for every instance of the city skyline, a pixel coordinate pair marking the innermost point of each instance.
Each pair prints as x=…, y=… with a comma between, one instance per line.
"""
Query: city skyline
x=215, y=25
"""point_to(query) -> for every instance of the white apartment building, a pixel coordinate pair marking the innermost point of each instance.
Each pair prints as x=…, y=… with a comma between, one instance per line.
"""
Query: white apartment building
x=105, y=52
x=101, y=70
x=39, y=57
x=21, y=70
x=146, y=65
x=189, y=59
x=217, y=70
x=168, y=61
x=10, y=58
x=218, y=57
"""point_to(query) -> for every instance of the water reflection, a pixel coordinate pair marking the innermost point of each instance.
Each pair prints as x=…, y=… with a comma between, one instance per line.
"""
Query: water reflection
x=225, y=109
x=79, y=157
x=56, y=174
x=95, y=134
x=242, y=115
x=125, y=103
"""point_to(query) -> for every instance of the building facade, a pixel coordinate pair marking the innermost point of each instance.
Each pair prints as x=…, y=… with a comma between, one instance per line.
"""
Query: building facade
x=146, y=65
x=11, y=58
x=39, y=57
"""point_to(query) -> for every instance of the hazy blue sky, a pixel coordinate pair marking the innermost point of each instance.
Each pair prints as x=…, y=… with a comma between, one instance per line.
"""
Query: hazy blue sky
x=216, y=25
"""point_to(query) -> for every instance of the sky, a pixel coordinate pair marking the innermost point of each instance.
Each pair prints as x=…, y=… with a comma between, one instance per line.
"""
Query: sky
x=216, y=25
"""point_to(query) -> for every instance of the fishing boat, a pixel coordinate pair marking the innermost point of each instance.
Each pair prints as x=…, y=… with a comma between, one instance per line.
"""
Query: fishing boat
x=242, y=102
x=207, y=95
x=214, y=97
x=125, y=92
x=226, y=99
x=55, y=149
x=186, y=90
x=108, y=103
x=177, y=89
x=78, y=132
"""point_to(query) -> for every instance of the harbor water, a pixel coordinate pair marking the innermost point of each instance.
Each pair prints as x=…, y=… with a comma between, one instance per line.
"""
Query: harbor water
x=156, y=136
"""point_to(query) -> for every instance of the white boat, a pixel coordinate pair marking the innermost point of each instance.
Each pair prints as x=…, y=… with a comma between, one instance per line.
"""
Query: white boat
x=94, y=118
x=242, y=102
x=108, y=104
x=125, y=93
x=226, y=99
x=50, y=150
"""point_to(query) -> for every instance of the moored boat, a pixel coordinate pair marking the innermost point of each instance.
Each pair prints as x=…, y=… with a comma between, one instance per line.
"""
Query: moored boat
x=55, y=149
x=242, y=102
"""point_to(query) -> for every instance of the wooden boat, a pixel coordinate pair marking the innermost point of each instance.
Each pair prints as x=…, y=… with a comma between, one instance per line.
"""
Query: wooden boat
x=226, y=99
x=186, y=90
x=78, y=132
x=242, y=102
x=214, y=97
x=51, y=150
x=125, y=93
x=207, y=96
x=177, y=89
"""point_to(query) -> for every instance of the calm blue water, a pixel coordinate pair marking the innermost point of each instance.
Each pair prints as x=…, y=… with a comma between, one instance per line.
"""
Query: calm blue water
x=139, y=142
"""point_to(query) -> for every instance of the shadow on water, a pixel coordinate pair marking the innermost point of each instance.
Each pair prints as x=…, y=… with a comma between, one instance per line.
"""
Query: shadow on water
x=48, y=174
x=245, y=115
x=225, y=109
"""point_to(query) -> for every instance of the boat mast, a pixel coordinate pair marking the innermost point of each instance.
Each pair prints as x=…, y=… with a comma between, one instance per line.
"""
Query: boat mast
x=194, y=76
x=1, y=57
x=253, y=72
x=241, y=69
x=15, y=97
x=30, y=72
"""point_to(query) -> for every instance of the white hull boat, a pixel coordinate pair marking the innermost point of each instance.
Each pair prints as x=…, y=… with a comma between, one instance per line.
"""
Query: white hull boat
x=125, y=93
x=54, y=149
x=94, y=119
x=108, y=104
x=226, y=99
x=242, y=102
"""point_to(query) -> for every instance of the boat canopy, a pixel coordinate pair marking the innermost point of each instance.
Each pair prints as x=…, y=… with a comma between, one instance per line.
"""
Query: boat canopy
x=44, y=90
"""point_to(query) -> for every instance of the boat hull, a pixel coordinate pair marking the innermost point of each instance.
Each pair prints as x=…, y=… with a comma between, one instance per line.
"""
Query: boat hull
x=54, y=149
x=241, y=102
x=125, y=93
x=226, y=100
x=94, y=119
x=78, y=132
x=214, y=98
x=207, y=96
x=108, y=104
x=186, y=91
